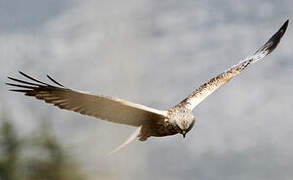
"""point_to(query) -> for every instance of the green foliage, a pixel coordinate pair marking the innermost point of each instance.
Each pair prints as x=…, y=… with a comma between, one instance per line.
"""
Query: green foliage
x=9, y=151
x=34, y=157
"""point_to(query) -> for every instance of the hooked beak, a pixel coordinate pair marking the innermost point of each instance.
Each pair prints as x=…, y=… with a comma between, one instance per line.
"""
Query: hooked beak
x=183, y=133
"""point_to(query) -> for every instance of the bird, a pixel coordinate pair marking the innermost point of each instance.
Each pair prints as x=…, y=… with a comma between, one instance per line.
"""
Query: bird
x=150, y=122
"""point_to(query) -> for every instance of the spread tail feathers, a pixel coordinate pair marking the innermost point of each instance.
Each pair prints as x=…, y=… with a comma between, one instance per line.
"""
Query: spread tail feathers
x=131, y=138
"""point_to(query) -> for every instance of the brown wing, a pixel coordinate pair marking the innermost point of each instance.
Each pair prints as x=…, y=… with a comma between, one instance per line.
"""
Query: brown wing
x=107, y=108
x=213, y=84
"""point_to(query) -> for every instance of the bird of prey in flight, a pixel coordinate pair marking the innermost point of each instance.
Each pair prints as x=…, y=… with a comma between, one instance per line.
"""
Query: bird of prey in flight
x=149, y=121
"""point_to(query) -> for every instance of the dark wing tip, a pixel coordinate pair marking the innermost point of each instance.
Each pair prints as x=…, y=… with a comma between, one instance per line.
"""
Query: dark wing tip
x=29, y=85
x=19, y=90
x=273, y=42
x=54, y=81
x=284, y=27
x=33, y=79
x=279, y=34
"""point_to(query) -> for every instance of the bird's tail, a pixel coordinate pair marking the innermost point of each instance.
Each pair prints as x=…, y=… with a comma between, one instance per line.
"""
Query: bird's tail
x=131, y=138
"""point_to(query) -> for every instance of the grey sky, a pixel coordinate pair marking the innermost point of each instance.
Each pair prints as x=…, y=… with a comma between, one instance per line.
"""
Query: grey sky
x=17, y=15
x=156, y=53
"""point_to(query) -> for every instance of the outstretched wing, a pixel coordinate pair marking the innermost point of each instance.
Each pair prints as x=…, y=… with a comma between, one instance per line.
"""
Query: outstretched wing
x=106, y=108
x=213, y=84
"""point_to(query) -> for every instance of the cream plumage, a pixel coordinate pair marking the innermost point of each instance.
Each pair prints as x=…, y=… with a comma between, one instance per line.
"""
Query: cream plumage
x=150, y=121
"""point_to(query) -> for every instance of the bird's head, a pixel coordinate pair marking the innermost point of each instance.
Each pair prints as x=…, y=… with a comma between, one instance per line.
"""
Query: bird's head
x=184, y=123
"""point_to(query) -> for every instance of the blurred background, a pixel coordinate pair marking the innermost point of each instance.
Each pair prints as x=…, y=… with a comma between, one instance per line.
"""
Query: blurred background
x=154, y=53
